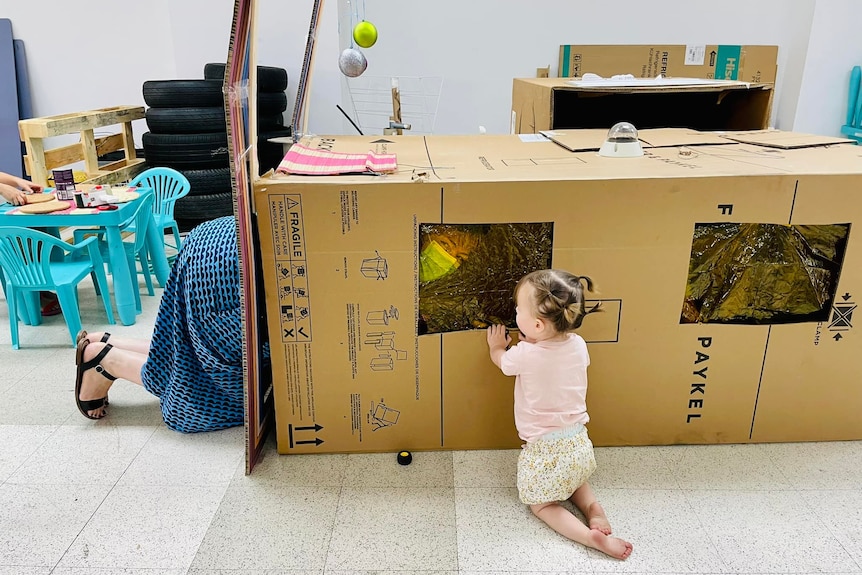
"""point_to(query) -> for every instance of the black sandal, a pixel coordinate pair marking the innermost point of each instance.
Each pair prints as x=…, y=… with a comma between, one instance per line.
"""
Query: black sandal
x=83, y=335
x=91, y=404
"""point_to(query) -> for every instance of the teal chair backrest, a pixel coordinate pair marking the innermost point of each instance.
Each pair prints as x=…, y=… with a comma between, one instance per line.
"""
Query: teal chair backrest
x=25, y=255
x=168, y=186
x=140, y=220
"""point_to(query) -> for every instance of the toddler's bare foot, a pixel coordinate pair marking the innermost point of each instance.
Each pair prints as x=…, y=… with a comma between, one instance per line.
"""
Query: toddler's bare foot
x=613, y=546
x=597, y=519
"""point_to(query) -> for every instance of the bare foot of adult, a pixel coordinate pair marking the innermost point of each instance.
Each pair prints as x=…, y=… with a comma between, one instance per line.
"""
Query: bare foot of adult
x=94, y=385
x=597, y=519
x=613, y=546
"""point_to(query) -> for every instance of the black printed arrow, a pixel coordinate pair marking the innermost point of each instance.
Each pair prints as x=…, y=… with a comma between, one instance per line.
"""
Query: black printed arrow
x=712, y=58
x=846, y=296
x=315, y=427
x=382, y=141
x=837, y=337
x=316, y=441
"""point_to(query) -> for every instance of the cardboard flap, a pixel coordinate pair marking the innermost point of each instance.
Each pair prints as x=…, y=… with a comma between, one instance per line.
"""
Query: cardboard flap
x=587, y=140
x=577, y=140
x=670, y=137
x=784, y=140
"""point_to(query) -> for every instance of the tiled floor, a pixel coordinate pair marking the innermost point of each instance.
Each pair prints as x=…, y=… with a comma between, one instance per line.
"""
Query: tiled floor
x=128, y=496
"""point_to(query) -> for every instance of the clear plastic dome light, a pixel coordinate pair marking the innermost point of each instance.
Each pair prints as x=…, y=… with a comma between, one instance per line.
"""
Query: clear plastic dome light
x=623, y=132
x=622, y=142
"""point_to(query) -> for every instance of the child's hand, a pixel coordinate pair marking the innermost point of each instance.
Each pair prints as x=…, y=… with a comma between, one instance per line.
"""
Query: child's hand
x=498, y=337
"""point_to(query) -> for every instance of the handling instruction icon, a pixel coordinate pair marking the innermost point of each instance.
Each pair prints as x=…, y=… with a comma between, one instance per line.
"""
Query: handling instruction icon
x=382, y=317
x=383, y=416
x=375, y=268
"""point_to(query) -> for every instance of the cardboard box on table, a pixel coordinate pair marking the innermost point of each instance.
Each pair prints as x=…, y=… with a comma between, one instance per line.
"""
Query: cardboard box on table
x=758, y=64
x=340, y=261
x=744, y=104
x=540, y=104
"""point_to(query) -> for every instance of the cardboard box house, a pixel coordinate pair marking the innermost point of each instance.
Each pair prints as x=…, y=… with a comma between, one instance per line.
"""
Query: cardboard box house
x=729, y=272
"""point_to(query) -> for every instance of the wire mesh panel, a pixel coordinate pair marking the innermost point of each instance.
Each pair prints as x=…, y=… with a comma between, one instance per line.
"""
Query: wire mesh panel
x=376, y=99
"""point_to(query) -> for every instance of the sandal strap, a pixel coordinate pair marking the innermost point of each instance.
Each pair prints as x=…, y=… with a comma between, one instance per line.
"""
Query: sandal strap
x=105, y=337
x=91, y=404
x=94, y=363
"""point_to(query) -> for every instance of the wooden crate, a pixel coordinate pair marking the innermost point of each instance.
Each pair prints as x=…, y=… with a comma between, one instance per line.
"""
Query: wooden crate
x=39, y=162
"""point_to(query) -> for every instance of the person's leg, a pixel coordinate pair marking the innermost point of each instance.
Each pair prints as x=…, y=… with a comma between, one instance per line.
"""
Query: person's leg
x=566, y=524
x=121, y=363
x=126, y=343
x=585, y=500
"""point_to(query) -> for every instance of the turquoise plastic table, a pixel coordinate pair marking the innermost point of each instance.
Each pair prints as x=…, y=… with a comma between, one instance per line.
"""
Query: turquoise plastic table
x=111, y=220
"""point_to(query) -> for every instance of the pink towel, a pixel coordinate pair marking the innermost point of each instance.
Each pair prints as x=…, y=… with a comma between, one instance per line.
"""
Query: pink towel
x=310, y=162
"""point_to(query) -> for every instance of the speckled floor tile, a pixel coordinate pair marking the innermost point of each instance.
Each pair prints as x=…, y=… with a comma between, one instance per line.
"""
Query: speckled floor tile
x=631, y=467
x=428, y=469
x=114, y=571
x=831, y=465
x=19, y=442
x=80, y=455
x=22, y=570
x=172, y=458
x=39, y=522
x=492, y=468
x=298, y=470
x=385, y=572
x=771, y=532
x=266, y=525
x=666, y=534
x=841, y=512
x=496, y=532
x=155, y=527
x=724, y=467
x=396, y=529
x=256, y=572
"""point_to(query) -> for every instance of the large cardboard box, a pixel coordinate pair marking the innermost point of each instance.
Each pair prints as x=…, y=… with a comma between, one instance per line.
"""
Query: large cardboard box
x=725, y=62
x=341, y=261
x=559, y=103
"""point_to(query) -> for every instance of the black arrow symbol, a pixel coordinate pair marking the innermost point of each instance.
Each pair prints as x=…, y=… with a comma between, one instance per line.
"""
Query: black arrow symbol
x=846, y=296
x=316, y=441
x=837, y=337
x=382, y=141
x=315, y=427
x=712, y=58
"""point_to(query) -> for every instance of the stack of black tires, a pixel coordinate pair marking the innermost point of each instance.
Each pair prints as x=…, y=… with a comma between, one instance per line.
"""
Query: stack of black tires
x=188, y=132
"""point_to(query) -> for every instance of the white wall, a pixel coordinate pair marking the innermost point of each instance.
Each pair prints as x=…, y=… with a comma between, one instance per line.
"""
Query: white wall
x=480, y=45
x=834, y=48
x=113, y=46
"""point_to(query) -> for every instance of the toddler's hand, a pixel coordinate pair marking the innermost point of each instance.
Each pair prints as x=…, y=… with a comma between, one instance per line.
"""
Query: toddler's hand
x=498, y=337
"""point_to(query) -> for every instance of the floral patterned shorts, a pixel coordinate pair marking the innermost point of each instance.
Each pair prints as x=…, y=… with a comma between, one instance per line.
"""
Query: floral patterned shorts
x=555, y=465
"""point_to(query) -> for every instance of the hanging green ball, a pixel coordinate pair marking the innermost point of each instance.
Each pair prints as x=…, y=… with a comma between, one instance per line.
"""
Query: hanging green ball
x=365, y=34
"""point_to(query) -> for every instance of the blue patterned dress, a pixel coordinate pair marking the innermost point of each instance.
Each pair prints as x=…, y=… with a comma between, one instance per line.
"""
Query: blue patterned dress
x=195, y=361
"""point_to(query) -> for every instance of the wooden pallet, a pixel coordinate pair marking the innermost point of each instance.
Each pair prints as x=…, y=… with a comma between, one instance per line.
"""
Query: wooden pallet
x=39, y=162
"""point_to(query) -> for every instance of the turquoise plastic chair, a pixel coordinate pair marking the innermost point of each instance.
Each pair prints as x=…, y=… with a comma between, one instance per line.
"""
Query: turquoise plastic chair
x=137, y=250
x=168, y=186
x=25, y=255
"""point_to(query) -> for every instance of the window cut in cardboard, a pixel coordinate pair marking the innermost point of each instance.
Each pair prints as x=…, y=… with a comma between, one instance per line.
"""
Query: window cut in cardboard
x=763, y=273
x=467, y=272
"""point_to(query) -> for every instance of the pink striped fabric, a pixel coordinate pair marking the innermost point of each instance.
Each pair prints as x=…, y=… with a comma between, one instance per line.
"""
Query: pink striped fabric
x=310, y=162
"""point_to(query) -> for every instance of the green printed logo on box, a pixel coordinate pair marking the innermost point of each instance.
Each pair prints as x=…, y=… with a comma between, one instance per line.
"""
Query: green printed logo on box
x=567, y=52
x=727, y=62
